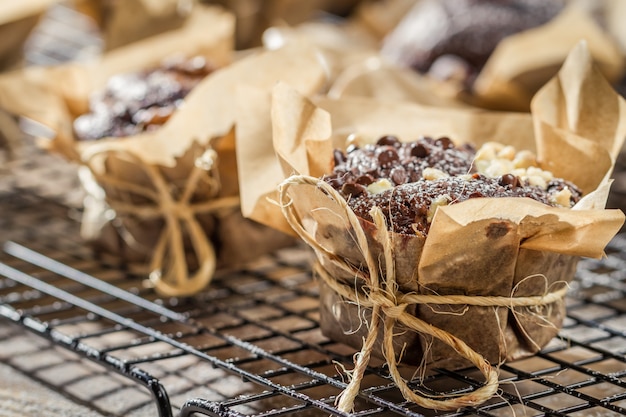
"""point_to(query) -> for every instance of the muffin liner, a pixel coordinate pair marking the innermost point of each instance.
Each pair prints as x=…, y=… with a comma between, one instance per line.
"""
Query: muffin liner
x=175, y=192
x=53, y=97
x=487, y=283
x=350, y=48
x=510, y=78
x=514, y=72
x=166, y=202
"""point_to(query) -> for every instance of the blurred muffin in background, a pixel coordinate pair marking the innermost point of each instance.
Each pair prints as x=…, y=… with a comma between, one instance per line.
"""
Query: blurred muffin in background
x=498, y=53
x=454, y=38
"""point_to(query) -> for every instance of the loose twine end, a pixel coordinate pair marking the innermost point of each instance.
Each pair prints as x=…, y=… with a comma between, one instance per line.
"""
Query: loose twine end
x=170, y=270
x=389, y=304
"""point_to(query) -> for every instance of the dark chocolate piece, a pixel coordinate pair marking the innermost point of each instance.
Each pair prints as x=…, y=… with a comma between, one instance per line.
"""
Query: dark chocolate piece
x=461, y=34
x=408, y=199
x=136, y=102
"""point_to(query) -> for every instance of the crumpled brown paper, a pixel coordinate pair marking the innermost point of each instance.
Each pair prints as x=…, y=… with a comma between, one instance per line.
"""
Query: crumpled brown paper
x=55, y=96
x=173, y=186
x=138, y=172
x=380, y=17
x=499, y=264
x=514, y=72
x=341, y=44
x=169, y=198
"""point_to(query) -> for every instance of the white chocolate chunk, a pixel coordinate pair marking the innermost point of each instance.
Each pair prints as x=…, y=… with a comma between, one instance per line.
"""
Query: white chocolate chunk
x=508, y=152
x=494, y=160
x=524, y=159
x=379, y=186
x=488, y=151
x=441, y=200
x=434, y=174
x=499, y=167
x=536, y=180
x=562, y=198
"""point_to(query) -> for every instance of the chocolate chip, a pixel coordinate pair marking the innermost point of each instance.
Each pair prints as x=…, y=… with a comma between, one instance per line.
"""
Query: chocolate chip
x=445, y=142
x=406, y=204
x=389, y=140
x=336, y=182
x=351, y=189
x=387, y=156
x=509, y=180
x=365, y=179
x=339, y=157
x=419, y=150
x=421, y=211
x=399, y=175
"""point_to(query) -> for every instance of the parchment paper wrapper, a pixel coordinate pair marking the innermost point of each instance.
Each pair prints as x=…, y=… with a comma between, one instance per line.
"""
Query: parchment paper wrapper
x=169, y=198
x=350, y=48
x=178, y=187
x=514, y=72
x=54, y=97
x=521, y=64
x=10, y=135
x=510, y=249
x=122, y=22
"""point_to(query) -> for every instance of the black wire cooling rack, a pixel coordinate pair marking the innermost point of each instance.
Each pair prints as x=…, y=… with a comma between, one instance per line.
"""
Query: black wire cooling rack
x=251, y=345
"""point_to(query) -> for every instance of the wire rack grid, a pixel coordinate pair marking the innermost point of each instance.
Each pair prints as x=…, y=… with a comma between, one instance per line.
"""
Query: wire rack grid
x=250, y=345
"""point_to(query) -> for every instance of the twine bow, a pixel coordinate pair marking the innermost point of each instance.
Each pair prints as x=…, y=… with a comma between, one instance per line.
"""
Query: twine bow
x=170, y=272
x=388, y=304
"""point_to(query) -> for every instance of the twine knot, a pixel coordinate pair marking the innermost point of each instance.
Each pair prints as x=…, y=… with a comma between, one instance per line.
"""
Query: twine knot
x=170, y=272
x=180, y=210
x=388, y=305
x=394, y=312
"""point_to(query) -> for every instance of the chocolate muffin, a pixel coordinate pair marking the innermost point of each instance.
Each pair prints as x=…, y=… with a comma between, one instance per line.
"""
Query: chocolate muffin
x=454, y=38
x=141, y=101
x=408, y=181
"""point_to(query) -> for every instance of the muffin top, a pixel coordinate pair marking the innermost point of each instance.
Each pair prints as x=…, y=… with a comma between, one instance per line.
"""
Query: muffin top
x=409, y=180
x=140, y=101
x=445, y=37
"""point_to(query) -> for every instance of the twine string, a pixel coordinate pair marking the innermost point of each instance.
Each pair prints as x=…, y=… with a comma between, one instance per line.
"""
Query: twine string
x=389, y=304
x=170, y=272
